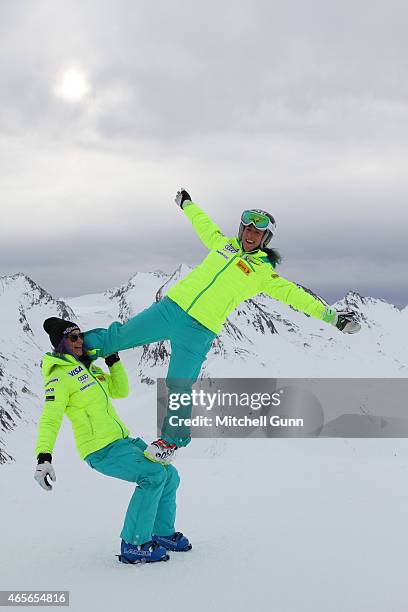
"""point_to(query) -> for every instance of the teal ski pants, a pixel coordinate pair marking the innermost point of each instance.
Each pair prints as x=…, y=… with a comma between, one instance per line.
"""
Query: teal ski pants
x=152, y=508
x=189, y=340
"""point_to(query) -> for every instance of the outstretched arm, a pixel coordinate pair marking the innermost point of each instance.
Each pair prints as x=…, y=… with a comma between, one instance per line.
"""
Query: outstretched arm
x=208, y=232
x=289, y=293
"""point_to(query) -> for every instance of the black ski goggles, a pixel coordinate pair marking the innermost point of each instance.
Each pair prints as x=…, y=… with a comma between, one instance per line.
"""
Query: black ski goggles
x=74, y=336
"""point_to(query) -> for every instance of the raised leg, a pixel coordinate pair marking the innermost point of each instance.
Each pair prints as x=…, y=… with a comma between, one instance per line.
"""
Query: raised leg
x=150, y=325
x=189, y=349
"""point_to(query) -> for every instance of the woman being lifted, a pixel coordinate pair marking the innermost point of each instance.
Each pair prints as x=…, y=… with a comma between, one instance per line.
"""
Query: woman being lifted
x=196, y=308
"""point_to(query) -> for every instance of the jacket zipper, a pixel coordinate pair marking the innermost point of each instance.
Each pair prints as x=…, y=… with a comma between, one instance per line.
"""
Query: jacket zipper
x=107, y=401
x=246, y=258
x=212, y=282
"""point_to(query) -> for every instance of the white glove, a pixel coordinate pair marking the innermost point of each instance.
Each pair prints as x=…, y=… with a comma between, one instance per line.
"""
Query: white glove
x=44, y=472
x=346, y=322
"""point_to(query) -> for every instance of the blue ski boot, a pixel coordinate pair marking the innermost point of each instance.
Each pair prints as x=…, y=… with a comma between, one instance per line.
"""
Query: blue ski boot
x=149, y=552
x=177, y=542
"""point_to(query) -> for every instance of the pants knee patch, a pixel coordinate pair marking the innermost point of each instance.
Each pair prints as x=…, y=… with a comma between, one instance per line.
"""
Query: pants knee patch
x=173, y=476
x=157, y=476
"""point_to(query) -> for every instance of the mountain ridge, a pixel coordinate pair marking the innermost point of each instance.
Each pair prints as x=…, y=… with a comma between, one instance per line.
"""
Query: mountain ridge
x=261, y=338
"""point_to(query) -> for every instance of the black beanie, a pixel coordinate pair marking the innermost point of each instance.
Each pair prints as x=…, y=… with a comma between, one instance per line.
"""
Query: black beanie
x=58, y=328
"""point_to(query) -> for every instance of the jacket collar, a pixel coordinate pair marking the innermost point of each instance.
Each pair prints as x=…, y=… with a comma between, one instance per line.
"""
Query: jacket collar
x=52, y=360
x=257, y=254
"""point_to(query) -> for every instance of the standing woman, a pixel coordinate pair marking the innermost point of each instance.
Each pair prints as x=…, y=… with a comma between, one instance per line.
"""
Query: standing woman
x=76, y=387
x=196, y=308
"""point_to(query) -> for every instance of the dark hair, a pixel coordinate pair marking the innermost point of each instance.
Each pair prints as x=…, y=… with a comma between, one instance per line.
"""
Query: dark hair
x=273, y=255
x=64, y=348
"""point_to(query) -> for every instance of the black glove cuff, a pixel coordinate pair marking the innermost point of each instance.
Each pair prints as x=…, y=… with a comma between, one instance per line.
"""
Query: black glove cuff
x=185, y=197
x=43, y=457
x=111, y=359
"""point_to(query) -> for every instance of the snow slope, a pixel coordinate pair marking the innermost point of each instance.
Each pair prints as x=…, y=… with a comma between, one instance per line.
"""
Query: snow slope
x=291, y=526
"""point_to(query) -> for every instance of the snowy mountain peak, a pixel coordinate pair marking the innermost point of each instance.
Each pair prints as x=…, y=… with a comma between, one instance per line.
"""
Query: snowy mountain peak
x=180, y=272
x=22, y=290
x=23, y=305
x=355, y=301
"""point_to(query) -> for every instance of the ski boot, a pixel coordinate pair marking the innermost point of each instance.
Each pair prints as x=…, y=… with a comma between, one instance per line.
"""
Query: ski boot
x=160, y=451
x=177, y=542
x=149, y=552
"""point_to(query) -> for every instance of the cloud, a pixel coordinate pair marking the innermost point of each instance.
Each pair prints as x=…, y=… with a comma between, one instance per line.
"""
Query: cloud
x=298, y=108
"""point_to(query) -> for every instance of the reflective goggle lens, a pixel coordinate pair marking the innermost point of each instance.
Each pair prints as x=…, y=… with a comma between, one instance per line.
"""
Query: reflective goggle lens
x=260, y=221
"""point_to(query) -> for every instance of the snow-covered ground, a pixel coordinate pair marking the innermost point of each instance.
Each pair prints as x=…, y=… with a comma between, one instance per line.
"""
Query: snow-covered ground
x=292, y=525
x=285, y=525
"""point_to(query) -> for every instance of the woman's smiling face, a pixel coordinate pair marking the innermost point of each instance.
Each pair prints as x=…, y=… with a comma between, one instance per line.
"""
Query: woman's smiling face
x=76, y=342
x=251, y=238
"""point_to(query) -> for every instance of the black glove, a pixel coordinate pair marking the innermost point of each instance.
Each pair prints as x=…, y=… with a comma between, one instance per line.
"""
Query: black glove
x=43, y=457
x=111, y=359
x=346, y=322
x=181, y=197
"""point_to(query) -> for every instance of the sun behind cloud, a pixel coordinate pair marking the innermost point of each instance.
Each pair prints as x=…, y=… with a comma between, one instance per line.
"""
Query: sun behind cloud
x=73, y=85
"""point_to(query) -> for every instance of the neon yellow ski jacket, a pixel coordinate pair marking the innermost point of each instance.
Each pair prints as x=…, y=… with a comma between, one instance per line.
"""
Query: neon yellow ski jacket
x=83, y=395
x=229, y=275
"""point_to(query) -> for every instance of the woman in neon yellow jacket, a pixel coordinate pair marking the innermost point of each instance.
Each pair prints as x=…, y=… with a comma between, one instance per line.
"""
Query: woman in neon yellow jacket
x=195, y=309
x=76, y=387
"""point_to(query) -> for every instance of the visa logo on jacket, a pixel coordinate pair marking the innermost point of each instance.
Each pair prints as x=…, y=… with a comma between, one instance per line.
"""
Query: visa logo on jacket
x=76, y=371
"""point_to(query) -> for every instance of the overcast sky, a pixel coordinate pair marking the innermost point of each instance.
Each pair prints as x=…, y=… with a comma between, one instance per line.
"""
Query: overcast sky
x=297, y=107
